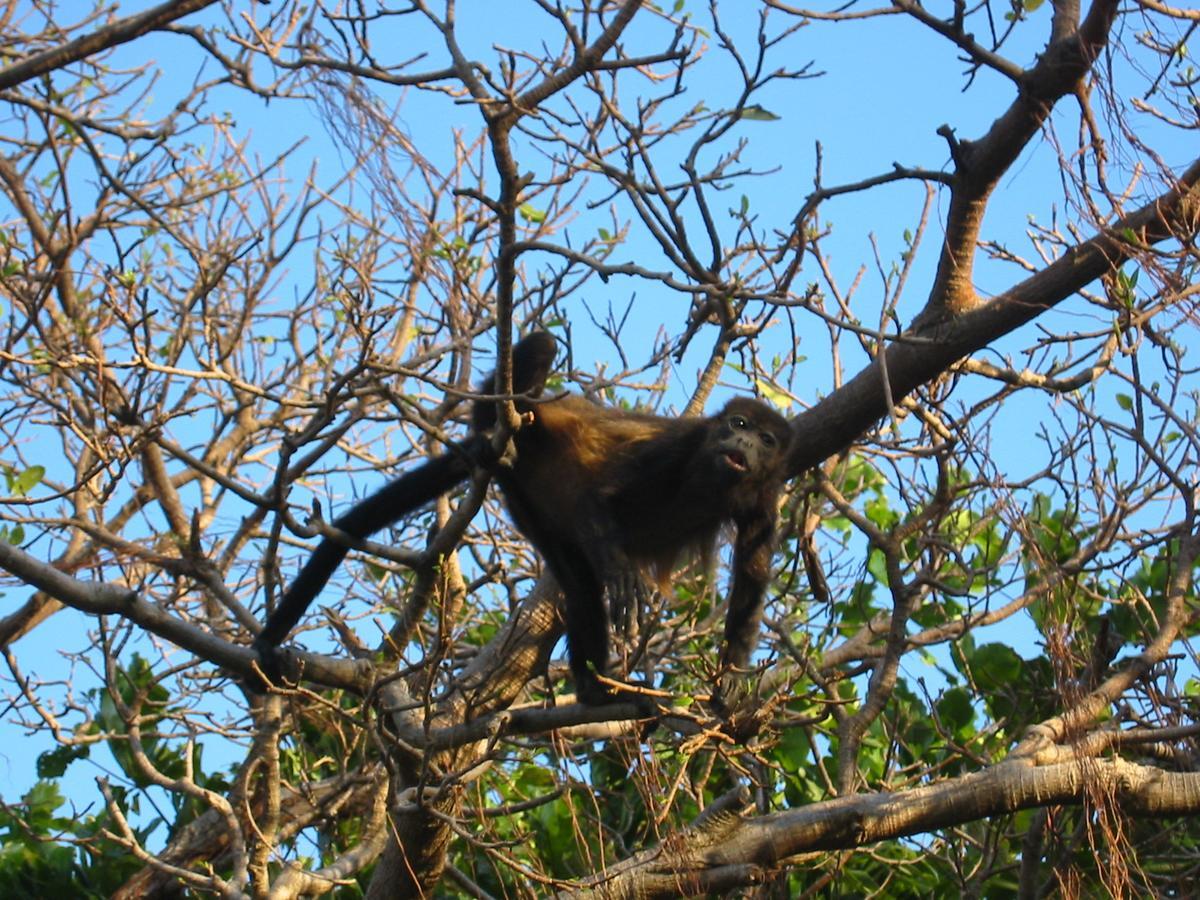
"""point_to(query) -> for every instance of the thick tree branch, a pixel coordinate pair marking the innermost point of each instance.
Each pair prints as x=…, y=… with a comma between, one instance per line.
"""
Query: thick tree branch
x=924, y=353
x=101, y=598
x=730, y=851
x=108, y=36
x=980, y=164
x=491, y=682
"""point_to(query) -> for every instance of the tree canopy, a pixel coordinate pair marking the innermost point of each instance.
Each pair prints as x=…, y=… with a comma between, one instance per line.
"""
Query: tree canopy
x=255, y=256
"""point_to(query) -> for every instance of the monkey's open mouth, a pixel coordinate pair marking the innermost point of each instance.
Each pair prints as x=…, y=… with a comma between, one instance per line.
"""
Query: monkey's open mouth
x=737, y=460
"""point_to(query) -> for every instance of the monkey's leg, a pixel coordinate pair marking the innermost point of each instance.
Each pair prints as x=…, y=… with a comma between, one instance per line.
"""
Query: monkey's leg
x=585, y=616
x=587, y=648
x=588, y=644
x=624, y=591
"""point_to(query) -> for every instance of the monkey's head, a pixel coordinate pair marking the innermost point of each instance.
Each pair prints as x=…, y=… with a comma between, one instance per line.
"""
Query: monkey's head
x=749, y=443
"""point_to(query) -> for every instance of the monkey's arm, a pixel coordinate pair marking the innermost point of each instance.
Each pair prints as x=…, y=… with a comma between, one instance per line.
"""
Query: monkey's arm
x=752, y=555
x=403, y=495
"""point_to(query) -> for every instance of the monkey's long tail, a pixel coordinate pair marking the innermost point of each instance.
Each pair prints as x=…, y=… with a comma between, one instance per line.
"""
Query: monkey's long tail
x=408, y=492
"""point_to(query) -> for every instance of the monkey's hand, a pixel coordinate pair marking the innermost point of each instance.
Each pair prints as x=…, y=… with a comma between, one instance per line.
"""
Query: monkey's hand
x=627, y=596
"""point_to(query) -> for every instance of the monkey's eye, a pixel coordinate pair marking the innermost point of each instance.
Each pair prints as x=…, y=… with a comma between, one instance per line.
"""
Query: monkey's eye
x=768, y=439
x=739, y=423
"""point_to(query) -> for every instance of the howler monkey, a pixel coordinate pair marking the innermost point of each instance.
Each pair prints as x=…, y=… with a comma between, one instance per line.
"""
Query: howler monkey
x=606, y=497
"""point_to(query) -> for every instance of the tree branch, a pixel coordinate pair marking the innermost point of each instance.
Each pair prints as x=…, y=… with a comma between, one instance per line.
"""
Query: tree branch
x=751, y=849
x=111, y=35
x=924, y=353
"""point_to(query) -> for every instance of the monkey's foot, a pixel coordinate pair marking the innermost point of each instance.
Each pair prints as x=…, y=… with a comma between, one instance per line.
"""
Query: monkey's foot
x=735, y=699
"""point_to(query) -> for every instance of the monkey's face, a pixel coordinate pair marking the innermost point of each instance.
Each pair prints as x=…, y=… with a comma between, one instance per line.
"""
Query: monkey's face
x=750, y=442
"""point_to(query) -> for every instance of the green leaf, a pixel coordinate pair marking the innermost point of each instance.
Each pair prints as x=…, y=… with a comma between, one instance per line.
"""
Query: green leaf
x=955, y=710
x=880, y=513
x=1125, y=402
x=772, y=393
x=53, y=763
x=531, y=213
x=758, y=113
x=995, y=666
x=877, y=566
x=28, y=480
